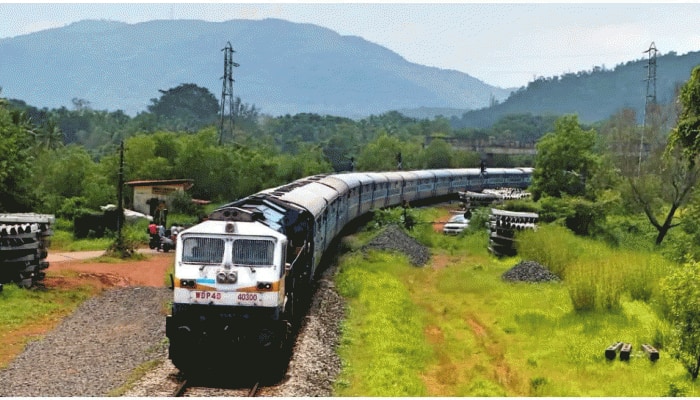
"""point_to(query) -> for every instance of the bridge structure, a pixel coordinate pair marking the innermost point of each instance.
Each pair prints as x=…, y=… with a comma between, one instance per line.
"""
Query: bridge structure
x=489, y=148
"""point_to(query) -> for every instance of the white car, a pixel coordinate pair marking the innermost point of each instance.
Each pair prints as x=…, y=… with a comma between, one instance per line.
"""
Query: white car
x=455, y=225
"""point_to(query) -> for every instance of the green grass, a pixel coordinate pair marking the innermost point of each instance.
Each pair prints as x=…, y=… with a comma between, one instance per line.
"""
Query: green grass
x=64, y=241
x=17, y=305
x=456, y=328
x=382, y=343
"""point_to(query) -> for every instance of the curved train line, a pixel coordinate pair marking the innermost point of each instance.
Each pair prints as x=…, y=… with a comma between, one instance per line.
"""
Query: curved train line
x=242, y=276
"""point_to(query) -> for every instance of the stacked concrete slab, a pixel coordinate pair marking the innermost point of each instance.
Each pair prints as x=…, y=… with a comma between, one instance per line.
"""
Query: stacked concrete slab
x=503, y=226
x=24, y=242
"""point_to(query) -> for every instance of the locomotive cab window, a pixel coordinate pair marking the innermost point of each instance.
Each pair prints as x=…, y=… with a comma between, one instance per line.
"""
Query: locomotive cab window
x=203, y=250
x=259, y=253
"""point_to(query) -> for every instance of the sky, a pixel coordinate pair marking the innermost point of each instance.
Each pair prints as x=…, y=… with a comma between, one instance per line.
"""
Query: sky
x=502, y=44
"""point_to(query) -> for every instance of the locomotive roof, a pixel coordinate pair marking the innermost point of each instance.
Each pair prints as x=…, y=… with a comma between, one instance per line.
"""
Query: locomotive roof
x=219, y=227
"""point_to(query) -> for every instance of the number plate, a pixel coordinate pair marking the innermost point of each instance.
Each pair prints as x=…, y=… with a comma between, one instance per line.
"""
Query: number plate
x=248, y=298
x=207, y=295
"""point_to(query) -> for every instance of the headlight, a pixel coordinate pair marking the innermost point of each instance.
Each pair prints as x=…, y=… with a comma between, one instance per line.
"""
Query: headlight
x=188, y=283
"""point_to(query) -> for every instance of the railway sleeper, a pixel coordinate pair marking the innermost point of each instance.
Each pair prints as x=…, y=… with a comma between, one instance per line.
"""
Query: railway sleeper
x=611, y=351
x=625, y=351
x=651, y=352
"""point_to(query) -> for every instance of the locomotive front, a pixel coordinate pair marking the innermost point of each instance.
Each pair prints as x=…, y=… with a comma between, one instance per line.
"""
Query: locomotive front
x=229, y=291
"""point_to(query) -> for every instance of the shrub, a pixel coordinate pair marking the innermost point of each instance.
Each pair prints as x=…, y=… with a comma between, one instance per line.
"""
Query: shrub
x=181, y=202
x=681, y=290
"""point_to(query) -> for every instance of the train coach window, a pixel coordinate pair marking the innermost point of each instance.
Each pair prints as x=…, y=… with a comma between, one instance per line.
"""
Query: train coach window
x=253, y=252
x=203, y=250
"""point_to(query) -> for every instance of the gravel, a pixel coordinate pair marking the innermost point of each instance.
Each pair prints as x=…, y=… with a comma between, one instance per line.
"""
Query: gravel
x=529, y=271
x=93, y=351
x=315, y=364
x=393, y=238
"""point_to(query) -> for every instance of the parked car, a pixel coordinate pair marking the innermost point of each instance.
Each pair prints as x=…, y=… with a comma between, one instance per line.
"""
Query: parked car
x=455, y=225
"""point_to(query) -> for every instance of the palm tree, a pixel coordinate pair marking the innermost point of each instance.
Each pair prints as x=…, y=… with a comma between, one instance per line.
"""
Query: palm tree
x=50, y=136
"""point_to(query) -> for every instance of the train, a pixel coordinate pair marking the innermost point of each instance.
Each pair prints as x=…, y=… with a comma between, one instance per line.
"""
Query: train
x=241, y=276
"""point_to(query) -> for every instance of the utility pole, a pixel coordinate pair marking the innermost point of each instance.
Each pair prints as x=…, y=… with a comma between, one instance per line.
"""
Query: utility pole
x=227, y=90
x=650, y=98
x=120, y=190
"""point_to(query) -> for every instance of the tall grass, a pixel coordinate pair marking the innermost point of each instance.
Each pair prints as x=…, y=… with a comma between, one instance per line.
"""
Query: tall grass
x=552, y=246
x=596, y=275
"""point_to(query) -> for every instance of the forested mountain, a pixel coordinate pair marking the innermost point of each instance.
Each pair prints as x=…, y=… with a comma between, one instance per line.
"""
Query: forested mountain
x=290, y=68
x=594, y=95
x=285, y=68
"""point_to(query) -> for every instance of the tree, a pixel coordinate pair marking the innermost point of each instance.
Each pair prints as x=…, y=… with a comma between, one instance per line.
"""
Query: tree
x=565, y=160
x=438, y=154
x=681, y=290
x=141, y=159
x=667, y=190
x=67, y=173
x=380, y=154
x=187, y=107
x=687, y=132
x=16, y=137
x=341, y=146
x=666, y=172
x=50, y=136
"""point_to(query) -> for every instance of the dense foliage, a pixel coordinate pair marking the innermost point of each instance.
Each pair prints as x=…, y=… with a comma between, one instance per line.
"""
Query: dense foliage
x=688, y=130
x=565, y=160
x=66, y=160
x=585, y=176
x=681, y=290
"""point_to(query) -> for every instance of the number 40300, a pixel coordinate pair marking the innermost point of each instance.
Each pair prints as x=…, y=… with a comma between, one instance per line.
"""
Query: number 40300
x=248, y=296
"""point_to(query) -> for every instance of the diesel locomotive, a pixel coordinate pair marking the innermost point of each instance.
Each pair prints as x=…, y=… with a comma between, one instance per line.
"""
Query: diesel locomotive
x=240, y=276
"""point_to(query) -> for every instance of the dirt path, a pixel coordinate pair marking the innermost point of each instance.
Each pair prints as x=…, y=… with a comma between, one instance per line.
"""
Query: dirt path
x=148, y=272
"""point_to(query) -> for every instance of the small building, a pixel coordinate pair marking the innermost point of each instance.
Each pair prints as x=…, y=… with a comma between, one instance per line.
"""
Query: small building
x=151, y=197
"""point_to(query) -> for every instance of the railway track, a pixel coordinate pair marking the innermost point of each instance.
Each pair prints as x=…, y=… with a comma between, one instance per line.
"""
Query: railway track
x=187, y=388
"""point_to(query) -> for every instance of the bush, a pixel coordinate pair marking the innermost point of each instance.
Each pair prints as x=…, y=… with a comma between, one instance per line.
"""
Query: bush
x=581, y=216
x=72, y=207
x=181, y=202
x=681, y=290
x=627, y=232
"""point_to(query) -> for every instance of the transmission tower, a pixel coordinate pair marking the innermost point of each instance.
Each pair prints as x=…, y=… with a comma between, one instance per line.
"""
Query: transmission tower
x=650, y=98
x=227, y=90
x=651, y=75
